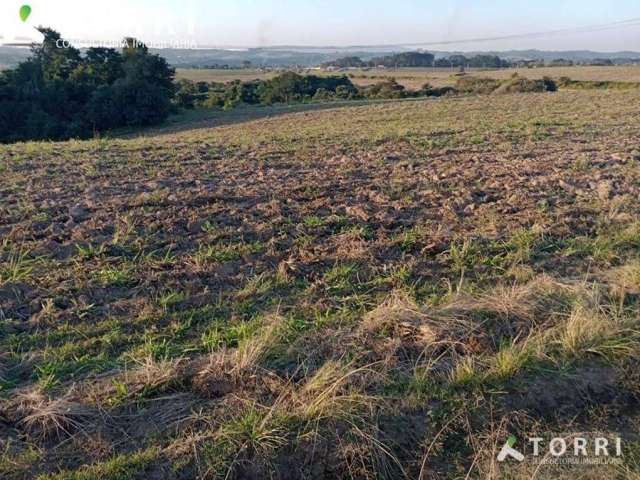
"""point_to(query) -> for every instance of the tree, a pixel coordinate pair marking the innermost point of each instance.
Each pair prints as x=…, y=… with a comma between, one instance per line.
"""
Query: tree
x=132, y=46
x=141, y=103
x=58, y=93
x=140, y=96
x=103, y=110
x=291, y=87
x=101, y=66
x=140, y=66
x=56, y=57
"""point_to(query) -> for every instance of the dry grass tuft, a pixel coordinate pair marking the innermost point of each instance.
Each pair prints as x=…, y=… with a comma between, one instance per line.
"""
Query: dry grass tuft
x=225, y=370
x=526, y=304
x=399, y=316
x=251, y=352
x=48, y=419
x=254, y=431
x=625, y=280
x=153, y=375
x=334, y=391
x=592, y=331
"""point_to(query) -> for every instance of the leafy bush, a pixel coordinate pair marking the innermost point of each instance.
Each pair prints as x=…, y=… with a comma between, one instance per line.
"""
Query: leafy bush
x=428, y=91
x=475, y=85
x=386, y=89
x=291, y=87
x=346, y=92
x=323, y=95
x=566, y=82
x=525, y=85
x=515, y=84
x=186, y=94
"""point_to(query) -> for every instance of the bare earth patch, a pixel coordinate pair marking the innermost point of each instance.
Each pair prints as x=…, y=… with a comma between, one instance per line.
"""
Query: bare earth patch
x=377, y=291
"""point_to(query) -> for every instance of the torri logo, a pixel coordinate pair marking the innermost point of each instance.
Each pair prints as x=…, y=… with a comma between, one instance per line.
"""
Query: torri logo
x=17, y=25
x=569, y=449
x=25, y=11
x=508, y=451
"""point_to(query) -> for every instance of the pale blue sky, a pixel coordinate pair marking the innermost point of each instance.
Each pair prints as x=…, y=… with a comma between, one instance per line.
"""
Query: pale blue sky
x=334, y=22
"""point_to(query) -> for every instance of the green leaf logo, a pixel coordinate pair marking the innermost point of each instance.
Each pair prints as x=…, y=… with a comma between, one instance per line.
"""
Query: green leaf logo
x=511, y=441
x=25, y=11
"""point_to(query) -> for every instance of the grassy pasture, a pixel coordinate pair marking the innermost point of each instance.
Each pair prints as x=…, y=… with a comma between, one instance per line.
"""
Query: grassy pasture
x=370, y=291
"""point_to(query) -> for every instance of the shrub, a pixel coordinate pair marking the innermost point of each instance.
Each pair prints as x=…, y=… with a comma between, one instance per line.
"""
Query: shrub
x=525, y=85
x=386, y=89
x=515, y=84
x=323, y=95
x=346, y=92
x=566, y=82
x=475, y=85
x=186, y=94
x=291, y=87
x=442, y=91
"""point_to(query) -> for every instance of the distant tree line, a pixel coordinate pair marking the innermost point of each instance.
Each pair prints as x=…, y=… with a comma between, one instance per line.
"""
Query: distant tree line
x=562, y=62
x=405, y=59
x=420, y=59
x=245, y=64
x=477, y=61
x=59, y=93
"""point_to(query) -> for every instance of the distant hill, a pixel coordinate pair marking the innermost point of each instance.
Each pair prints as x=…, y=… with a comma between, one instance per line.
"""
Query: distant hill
x=11, y=56
x=311, y=56
x=288, y=56
x=574, y=55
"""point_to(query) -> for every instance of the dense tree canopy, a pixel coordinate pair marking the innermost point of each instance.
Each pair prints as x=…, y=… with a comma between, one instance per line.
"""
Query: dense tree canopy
x=60, y=93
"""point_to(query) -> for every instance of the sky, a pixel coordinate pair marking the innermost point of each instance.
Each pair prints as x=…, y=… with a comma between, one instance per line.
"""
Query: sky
x=247, y=23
